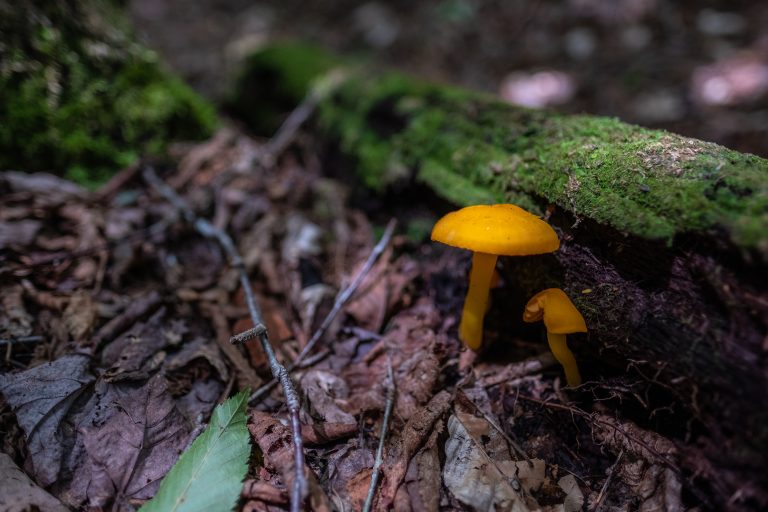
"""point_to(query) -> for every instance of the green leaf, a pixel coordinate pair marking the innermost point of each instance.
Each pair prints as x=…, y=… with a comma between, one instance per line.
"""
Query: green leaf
x=209, y=474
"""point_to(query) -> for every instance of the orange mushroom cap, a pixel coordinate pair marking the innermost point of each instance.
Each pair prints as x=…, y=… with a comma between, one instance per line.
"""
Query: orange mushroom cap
x=559, y=313
x=502, y=229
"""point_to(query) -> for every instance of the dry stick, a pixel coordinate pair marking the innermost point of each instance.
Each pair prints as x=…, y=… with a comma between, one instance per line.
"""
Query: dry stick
x=604, y=489
x=341, y=299
x=22, y=340
x=380, y=450
x=208, y=230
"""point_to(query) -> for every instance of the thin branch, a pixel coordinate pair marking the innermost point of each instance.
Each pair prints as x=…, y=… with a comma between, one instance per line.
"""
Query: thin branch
x=22, y=340
x=604, y=489
x=208, y=230
x=341, y=300
x=382, y=437
x=287, y=131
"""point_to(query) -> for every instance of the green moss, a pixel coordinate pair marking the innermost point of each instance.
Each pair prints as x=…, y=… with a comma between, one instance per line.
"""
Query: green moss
x=471, y=148
x=272, y=82
x=80, y=98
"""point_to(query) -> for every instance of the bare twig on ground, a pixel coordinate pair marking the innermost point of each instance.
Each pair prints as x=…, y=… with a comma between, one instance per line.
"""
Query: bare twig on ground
x=22, y=340
x=208, y=230
x=287, y=131
x=341, y=299
x=382, y=437
x=604, y=489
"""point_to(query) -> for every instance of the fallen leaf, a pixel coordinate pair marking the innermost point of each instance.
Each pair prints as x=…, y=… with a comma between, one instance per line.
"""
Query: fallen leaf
x=80, y=315
x=131, y=444
x=20, y=494
x=479, y=471
x=274, y=439
x=41, y=397
x=18, y=234
x=15, y=322
x=324, y=391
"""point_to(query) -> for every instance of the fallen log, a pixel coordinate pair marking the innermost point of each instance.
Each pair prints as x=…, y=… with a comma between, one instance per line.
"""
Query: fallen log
x=664, y=238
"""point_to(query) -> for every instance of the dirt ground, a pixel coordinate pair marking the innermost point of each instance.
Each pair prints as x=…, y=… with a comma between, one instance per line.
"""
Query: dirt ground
x=695, y=68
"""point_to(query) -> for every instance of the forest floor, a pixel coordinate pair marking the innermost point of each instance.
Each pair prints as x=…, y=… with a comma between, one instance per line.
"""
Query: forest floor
x=131, y=310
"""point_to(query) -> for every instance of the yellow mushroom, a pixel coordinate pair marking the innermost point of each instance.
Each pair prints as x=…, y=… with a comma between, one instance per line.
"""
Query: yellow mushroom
x=560, y=318
x=490, y=231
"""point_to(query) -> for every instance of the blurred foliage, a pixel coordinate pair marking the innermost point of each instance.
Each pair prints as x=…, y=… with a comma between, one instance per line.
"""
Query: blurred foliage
x=272, y=80
x=80, y=97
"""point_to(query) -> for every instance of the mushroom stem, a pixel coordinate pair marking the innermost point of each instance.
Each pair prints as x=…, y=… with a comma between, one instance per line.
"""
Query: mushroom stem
x=564, y=356
x=476, y=303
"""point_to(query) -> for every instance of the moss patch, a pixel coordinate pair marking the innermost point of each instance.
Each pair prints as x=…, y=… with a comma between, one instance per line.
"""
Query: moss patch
x=79, y=97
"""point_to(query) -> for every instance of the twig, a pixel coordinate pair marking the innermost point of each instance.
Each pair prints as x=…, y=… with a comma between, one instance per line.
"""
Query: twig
x=341, y=300
x=208, y=230
x=604, y=489
x=382, y=437
x=298, y=116
x=22, y=340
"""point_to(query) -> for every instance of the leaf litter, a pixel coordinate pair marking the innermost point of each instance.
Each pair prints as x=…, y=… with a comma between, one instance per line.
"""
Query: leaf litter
x=134, y=312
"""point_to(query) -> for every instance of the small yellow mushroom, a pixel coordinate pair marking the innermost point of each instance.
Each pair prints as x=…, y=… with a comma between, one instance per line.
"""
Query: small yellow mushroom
x=490, y=231
x=560, y=318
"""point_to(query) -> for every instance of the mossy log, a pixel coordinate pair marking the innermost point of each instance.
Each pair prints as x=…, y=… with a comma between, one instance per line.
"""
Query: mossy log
x=665, y=238
x=79, y=96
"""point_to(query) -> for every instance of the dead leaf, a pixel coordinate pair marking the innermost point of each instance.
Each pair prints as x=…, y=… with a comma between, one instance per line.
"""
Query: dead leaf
x=416, y=431
x=41, y=397
x=325, y=391
x=15, y=322
x=18, y=234
x=19, y=494
x=274, y=439
x=133, y=439
x=410, y=344
x=479, y=471
x=645, y=466
x=80, y=315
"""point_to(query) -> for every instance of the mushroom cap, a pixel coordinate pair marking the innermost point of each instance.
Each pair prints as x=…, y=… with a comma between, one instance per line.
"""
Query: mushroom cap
x=559, y=313
x=503, y=229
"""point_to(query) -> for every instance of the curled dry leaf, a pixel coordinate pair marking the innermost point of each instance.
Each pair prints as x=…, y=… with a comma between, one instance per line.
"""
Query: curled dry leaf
x=410, y=345
x=479, y=472
x=15, y=322
x=80, y=315
x=647, y=465
x=274, y=439
x=325, y=391
x=404, y=446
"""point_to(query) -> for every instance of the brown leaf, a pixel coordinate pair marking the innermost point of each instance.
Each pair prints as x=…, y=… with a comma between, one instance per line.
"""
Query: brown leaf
x=263, y=491
x=416, y=431
x=19, y=494
x=41, y=397
x=645, y=465
x=15, y=322
x=479, y=472
x=325, y=392
x=80, y=315
x=135, y=438
x=274, y=439
x=137, y=308
x=323, y=433
x=410, y=345
x=18, y=234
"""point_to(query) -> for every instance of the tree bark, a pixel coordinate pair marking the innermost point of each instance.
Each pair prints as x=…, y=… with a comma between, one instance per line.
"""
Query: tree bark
x=664, y=238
